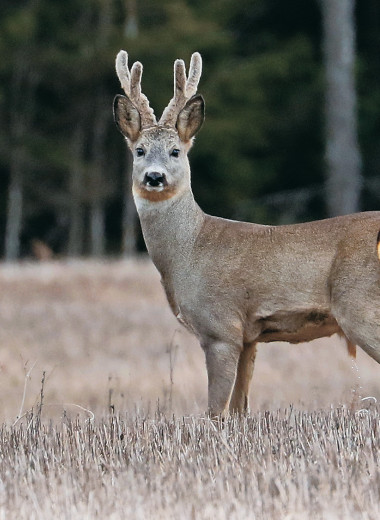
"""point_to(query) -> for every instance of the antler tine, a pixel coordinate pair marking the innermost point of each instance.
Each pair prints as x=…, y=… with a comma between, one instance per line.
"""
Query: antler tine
x=122, y=71
x=168, y=117
x=131, y=84
x=184, y=88
x=179, y=80
x=195, y=73
x=136, y=74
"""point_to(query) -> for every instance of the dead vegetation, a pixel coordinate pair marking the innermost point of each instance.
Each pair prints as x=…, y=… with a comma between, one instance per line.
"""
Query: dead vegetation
x=286, y=464
x=98, y=438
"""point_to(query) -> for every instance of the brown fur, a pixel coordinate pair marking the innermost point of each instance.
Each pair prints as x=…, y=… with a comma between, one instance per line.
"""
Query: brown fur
x=234, y=284
x=154, y=196
x=351, y=347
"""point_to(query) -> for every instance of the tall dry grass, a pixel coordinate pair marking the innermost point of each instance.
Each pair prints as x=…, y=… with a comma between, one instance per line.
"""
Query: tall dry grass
x=98, y=438
x=285, y=464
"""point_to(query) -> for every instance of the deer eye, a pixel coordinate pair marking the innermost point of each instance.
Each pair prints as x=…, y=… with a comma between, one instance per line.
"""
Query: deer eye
x=140, y=152
x=175, y=152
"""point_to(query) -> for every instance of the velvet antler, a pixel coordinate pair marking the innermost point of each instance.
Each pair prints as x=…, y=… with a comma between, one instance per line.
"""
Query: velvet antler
x=184, y=88
x=131, y=83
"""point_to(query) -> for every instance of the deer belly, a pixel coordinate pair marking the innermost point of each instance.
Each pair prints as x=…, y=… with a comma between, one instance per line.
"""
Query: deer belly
x=296, y=327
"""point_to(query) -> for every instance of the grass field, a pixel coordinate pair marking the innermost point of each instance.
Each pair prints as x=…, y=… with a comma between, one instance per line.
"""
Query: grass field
x=121, y=432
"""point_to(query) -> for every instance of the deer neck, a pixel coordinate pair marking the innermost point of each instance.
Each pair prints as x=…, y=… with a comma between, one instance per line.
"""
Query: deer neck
x=170, y=228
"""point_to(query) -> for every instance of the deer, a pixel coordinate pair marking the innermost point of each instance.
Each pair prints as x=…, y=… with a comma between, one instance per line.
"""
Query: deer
x=236, y=284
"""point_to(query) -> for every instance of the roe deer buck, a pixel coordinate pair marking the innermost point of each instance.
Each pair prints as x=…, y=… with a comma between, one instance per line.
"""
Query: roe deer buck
x=234, y=284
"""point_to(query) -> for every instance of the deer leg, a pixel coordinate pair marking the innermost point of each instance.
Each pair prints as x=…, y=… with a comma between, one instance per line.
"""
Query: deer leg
x=357, y=311
x=221, y=361
x=363, y=329
x=239, y=399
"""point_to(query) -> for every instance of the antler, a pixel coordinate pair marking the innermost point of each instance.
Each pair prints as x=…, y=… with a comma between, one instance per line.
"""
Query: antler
x=131, y=83
x=184, y=88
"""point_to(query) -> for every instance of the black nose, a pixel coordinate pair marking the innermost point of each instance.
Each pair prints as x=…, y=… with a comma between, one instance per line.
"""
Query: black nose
x=154, y=179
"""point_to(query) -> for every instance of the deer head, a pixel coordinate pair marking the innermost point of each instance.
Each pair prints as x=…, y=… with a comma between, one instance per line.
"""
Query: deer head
x=160, y=165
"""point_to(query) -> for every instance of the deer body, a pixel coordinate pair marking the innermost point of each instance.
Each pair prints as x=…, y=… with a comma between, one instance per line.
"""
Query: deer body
x=234, y=284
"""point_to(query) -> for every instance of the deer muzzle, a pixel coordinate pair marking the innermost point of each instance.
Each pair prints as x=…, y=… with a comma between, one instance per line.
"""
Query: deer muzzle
x=155, y=180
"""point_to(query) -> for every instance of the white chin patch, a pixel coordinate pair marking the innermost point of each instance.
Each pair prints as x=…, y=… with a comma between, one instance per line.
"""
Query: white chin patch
x=154, y=188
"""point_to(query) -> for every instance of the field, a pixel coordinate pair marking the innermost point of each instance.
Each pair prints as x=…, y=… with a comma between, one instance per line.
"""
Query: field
x=102, y=400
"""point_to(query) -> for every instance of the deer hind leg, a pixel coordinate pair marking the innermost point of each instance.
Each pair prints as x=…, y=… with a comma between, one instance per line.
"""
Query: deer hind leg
x=365, y=334
x=358, y=314
x=364, y=331
x=355, y=288
x=221, y=361
x=239, y=399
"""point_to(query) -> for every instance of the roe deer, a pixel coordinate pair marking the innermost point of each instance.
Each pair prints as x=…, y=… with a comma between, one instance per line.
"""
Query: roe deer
x=234, y=284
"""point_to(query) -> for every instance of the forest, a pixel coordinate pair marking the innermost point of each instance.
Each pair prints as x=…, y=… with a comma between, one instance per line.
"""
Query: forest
x=261, y=155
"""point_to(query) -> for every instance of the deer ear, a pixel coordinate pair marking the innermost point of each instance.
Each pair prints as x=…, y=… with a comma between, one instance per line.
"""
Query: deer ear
x=191, y=118
x=126, y=117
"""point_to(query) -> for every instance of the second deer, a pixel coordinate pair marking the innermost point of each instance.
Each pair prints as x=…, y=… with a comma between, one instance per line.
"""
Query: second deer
x=234, y=284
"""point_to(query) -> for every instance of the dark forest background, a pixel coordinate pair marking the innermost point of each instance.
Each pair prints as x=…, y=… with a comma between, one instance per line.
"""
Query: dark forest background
x=260, y=156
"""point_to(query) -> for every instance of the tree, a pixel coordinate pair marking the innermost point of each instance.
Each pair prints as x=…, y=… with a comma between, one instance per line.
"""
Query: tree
x=24, y=79
x=342, y=149
x=76, y=189
x=101, y=117
x=129, y=217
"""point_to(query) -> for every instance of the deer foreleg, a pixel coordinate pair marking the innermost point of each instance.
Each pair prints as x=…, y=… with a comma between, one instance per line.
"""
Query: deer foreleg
x=221, y=361
x=239, y=399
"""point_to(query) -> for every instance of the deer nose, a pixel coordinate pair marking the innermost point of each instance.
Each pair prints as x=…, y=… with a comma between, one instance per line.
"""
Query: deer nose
x=154, y=179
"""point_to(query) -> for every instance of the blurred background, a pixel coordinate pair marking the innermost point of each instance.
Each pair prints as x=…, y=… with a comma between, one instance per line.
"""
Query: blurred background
x=292, y=126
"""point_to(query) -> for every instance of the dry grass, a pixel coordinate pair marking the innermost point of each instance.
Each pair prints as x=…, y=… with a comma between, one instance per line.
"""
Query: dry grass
x=289, y=464
x=103, y=334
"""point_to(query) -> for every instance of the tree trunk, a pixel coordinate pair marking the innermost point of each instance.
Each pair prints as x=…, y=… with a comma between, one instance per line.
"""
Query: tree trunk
x=129, y=245
x=342, y=150
x=97, y=205
x=24, y=83
x=129, y=239
x=131, y=28
x=97, y=211
x=14, y=209
x=97, y=228
x=76, y=231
